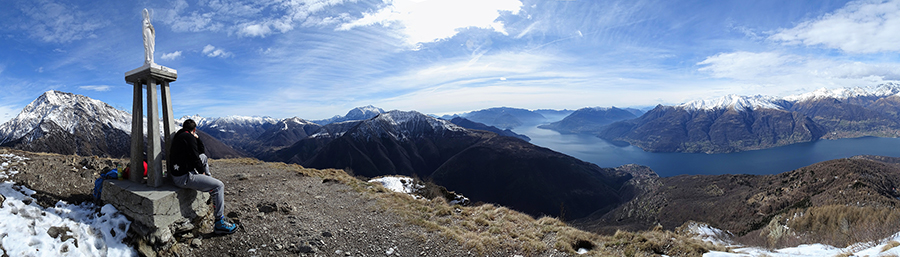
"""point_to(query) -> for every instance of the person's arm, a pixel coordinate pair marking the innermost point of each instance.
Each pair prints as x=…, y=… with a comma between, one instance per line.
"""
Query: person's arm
x=195, y=145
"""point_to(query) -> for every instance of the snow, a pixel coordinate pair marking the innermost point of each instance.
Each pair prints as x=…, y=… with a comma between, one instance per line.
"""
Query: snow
x=67, y=111
x=397, y=184
x=735, y=102
x=707, y=233
x=85, y=229
x=742, y=103
x=886, y=89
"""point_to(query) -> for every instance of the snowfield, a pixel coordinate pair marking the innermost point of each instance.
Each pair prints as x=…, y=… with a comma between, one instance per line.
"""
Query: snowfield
x=710, y=234
x=27, y=229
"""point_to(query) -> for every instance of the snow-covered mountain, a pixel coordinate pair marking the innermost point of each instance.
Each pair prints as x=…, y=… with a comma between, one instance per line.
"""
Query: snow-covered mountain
x=737, y=123
x=66, y=111
x=883, y=90
x=67, y=123
x=401, y=125
x=358, y=113
x=734, y=102
x=743, y=103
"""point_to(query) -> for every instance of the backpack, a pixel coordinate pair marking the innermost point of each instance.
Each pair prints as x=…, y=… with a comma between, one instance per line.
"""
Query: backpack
x=98, y=184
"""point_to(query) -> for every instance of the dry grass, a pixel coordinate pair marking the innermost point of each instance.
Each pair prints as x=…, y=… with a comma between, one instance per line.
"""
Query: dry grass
x=495, y=229
x=841, y=225
x=890, y=245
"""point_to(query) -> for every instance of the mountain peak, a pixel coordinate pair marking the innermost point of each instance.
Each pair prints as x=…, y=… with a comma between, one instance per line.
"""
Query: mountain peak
x=63, y=115
x=735, y=102
x=886, y=89
x=358, y=113
x=403, y=124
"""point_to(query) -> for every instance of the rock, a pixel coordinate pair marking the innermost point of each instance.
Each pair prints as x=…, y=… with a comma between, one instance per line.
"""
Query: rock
x=59, y=232
x=28, y=200
x=278, y=247
x=327, y=234
x=286, y=209
x=145, y=249
x=196, y=243
x=305, y=249
x=267, y=207
x=241, y=176
x=182, y=226
x=2, y=199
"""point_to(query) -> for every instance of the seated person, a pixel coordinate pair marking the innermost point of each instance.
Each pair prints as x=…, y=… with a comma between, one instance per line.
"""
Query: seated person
x=191, y=170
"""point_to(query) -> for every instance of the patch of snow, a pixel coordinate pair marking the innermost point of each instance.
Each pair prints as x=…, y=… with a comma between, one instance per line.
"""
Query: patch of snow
x=85, y=229
x=398, y=184
x=582, y=251
x=860, y=249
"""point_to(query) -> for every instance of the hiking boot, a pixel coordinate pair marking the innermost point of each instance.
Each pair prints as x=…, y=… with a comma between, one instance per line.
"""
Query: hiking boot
x=224, y=227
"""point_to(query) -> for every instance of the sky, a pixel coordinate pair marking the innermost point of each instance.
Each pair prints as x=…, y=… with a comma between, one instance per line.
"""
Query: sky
x=314, y=59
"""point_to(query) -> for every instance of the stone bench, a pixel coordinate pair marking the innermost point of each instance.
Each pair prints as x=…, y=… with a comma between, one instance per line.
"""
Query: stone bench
x=157, y=212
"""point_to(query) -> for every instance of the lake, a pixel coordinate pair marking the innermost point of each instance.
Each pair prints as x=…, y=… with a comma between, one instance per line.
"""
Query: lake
x=760, y=162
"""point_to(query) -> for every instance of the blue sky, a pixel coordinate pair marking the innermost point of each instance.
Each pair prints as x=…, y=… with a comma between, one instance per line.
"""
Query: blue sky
x=317, y=58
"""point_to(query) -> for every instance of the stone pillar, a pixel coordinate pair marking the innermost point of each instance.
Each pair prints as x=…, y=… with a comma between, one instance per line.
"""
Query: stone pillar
x=168, y=121
x=154, y=150
x=137, y=134
x=150, y=75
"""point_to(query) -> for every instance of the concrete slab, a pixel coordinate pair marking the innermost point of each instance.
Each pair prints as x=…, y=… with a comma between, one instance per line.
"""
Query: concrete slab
x=155, y=208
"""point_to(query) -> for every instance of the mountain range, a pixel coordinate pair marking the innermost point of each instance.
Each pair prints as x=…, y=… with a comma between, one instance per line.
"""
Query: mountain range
x=738, y=123
x=66, y=123
x=591, y=120
x=396, y=142
x=471, y=159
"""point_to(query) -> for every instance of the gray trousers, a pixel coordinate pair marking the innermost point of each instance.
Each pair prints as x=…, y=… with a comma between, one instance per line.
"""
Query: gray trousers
x=205, y=183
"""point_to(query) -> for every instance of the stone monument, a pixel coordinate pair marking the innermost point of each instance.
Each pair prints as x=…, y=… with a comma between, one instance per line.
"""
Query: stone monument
x=152, y=77
x=158, y=208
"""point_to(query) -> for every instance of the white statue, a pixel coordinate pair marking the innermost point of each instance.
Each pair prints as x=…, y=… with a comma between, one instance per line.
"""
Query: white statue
x=149, y=38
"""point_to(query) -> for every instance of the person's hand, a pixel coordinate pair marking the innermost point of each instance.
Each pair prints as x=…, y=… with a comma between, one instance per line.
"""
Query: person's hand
x=195, y=134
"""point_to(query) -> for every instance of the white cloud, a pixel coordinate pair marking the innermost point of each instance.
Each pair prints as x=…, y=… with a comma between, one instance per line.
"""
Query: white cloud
x=428, y=21
x=171, y=56
x=58, y=22
x=212, y=51
x=747, y=65
x=98, y=88
x=790, y=71
x=858, y=27
x=246, y=18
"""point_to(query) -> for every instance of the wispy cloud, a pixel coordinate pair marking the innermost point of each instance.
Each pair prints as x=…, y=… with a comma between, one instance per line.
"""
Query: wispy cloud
x=859, y=27
x=427, y=21
x=791, y=71
x=171, y=56
x=55, y=22
x=245, y=18
x=212, y=51
x=98, y=88
x=7, y=112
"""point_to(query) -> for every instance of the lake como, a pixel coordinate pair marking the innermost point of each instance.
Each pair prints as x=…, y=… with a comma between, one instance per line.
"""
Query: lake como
x=760, y=162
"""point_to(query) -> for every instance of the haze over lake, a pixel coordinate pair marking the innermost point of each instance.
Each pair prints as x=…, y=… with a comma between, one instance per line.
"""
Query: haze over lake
x=767, y=161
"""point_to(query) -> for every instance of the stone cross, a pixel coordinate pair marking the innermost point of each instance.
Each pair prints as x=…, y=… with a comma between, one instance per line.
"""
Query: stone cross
x=153, y=77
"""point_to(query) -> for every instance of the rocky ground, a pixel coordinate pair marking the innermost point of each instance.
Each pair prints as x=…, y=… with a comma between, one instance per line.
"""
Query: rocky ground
x=288, y=210
x=283, y=211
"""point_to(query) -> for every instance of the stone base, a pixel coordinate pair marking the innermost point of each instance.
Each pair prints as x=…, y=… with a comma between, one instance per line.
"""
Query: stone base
x=158, y=211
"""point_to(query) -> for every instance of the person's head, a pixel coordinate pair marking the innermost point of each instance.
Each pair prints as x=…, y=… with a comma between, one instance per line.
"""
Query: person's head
x=189, y=125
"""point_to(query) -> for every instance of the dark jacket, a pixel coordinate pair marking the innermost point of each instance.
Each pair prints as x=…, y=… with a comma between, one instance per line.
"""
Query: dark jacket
x=186, y=150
